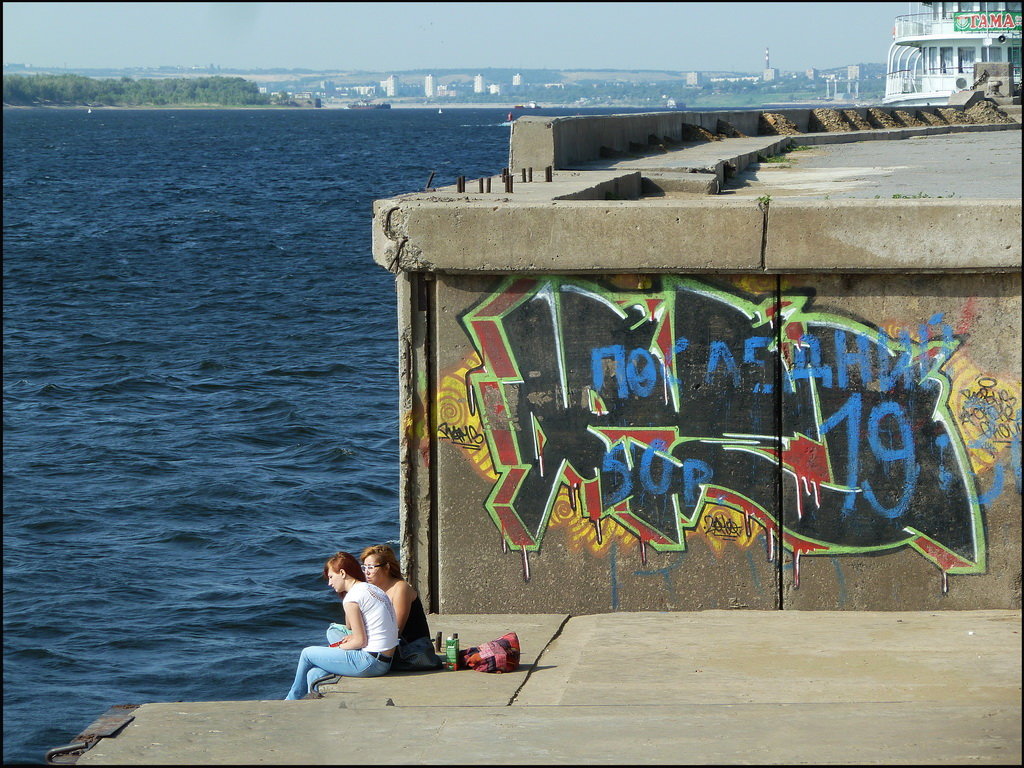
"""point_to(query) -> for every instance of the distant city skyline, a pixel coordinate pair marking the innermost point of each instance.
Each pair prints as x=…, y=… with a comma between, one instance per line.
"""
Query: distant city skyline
x=408, y=36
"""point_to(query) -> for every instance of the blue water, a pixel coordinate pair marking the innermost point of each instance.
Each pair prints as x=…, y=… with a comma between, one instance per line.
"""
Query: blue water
x=200, y=392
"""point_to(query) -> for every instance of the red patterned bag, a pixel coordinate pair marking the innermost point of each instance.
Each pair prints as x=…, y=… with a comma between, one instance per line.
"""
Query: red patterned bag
x=501, y=655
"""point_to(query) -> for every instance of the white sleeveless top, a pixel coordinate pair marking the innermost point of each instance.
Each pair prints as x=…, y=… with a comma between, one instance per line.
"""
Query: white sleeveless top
x=378, y=616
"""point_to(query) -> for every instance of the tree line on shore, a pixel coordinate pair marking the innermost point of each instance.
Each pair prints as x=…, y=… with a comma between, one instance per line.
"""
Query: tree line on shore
x=76, y=90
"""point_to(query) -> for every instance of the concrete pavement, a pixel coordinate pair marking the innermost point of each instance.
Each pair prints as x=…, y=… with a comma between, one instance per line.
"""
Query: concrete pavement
x=762, y=687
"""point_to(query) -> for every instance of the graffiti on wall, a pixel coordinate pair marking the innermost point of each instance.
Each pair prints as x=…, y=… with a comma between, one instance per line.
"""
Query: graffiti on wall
x=683, y=408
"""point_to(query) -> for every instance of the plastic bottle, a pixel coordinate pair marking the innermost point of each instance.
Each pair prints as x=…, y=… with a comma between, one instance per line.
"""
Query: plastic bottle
x=451, y=660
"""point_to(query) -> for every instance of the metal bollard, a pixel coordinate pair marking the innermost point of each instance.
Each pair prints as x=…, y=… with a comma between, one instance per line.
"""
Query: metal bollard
x=529, y=174
x=460, y=184
x=548, y=173
x=488, y=185
x=524, y=175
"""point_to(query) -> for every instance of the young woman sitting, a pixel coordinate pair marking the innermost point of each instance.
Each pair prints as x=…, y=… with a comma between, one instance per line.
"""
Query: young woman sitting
x=368, y=648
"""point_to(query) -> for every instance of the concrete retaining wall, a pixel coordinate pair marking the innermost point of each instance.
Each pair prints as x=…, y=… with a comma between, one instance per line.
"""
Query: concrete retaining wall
x=565, y=142
x=614, y=405
x=611, y=443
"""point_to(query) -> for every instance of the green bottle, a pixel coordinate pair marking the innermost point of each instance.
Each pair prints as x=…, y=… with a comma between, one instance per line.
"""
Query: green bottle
x=451, y=652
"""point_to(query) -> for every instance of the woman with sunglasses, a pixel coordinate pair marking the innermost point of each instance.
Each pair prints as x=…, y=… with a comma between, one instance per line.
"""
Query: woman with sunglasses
x=415, y=651
x=372, y=638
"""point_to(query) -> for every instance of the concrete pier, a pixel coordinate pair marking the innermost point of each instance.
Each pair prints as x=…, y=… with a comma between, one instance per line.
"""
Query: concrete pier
x=709, y=687
x=602, y=411
x=725, y=425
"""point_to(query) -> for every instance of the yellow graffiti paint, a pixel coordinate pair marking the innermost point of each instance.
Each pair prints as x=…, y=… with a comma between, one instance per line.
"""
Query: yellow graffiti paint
x=722, y=527
x=986, y=409
x=582, y=533
x=455, y=417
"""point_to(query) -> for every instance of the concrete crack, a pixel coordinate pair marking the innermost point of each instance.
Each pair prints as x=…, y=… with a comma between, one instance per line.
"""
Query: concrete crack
x=763, y=203
x=515, y=694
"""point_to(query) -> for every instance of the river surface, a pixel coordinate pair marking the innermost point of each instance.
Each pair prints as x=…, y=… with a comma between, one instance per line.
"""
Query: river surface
x=200, y=391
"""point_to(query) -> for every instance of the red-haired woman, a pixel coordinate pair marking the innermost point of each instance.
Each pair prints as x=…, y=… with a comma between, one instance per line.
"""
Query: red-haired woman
x=369, y=647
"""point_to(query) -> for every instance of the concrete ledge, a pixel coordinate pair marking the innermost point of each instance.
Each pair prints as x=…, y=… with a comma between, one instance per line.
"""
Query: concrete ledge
x=694, y=236
x=659, y=183
x=893, y=235
x=720, y=158
x=653, y=235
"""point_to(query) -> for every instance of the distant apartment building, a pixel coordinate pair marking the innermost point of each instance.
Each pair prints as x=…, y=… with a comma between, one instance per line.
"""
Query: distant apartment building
x=853, y=72
x=695, y=78
x=428, y=86
x=517, y=79
x=478, y=84
x=494, y=89
x=389, y=86
x=365, y=90
x=812, y=74
x=444, y=90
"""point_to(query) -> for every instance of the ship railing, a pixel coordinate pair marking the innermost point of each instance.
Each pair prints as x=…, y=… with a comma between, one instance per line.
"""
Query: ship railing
x=925, y=24
x=918, y=24
x=931, y=81
x=903, y=81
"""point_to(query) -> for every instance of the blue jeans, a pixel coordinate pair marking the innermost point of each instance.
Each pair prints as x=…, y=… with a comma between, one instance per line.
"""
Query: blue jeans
x=317, y=661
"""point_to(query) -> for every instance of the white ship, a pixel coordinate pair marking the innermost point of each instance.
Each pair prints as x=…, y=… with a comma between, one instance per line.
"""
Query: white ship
x=936, y=46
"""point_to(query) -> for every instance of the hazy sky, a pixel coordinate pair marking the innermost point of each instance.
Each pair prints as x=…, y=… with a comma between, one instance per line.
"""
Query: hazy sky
x=401, y=36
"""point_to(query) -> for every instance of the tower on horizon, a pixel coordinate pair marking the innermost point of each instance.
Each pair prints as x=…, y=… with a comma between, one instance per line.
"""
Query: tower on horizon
x=769, y=73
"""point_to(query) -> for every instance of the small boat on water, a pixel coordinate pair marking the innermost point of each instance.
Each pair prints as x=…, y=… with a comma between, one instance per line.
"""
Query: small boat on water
x=527, y=105
x=365, y=104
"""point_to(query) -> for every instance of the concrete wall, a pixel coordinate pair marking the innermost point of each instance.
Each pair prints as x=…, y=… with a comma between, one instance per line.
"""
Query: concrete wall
x=679, y=404
x=565, y=142
x=611, y=443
